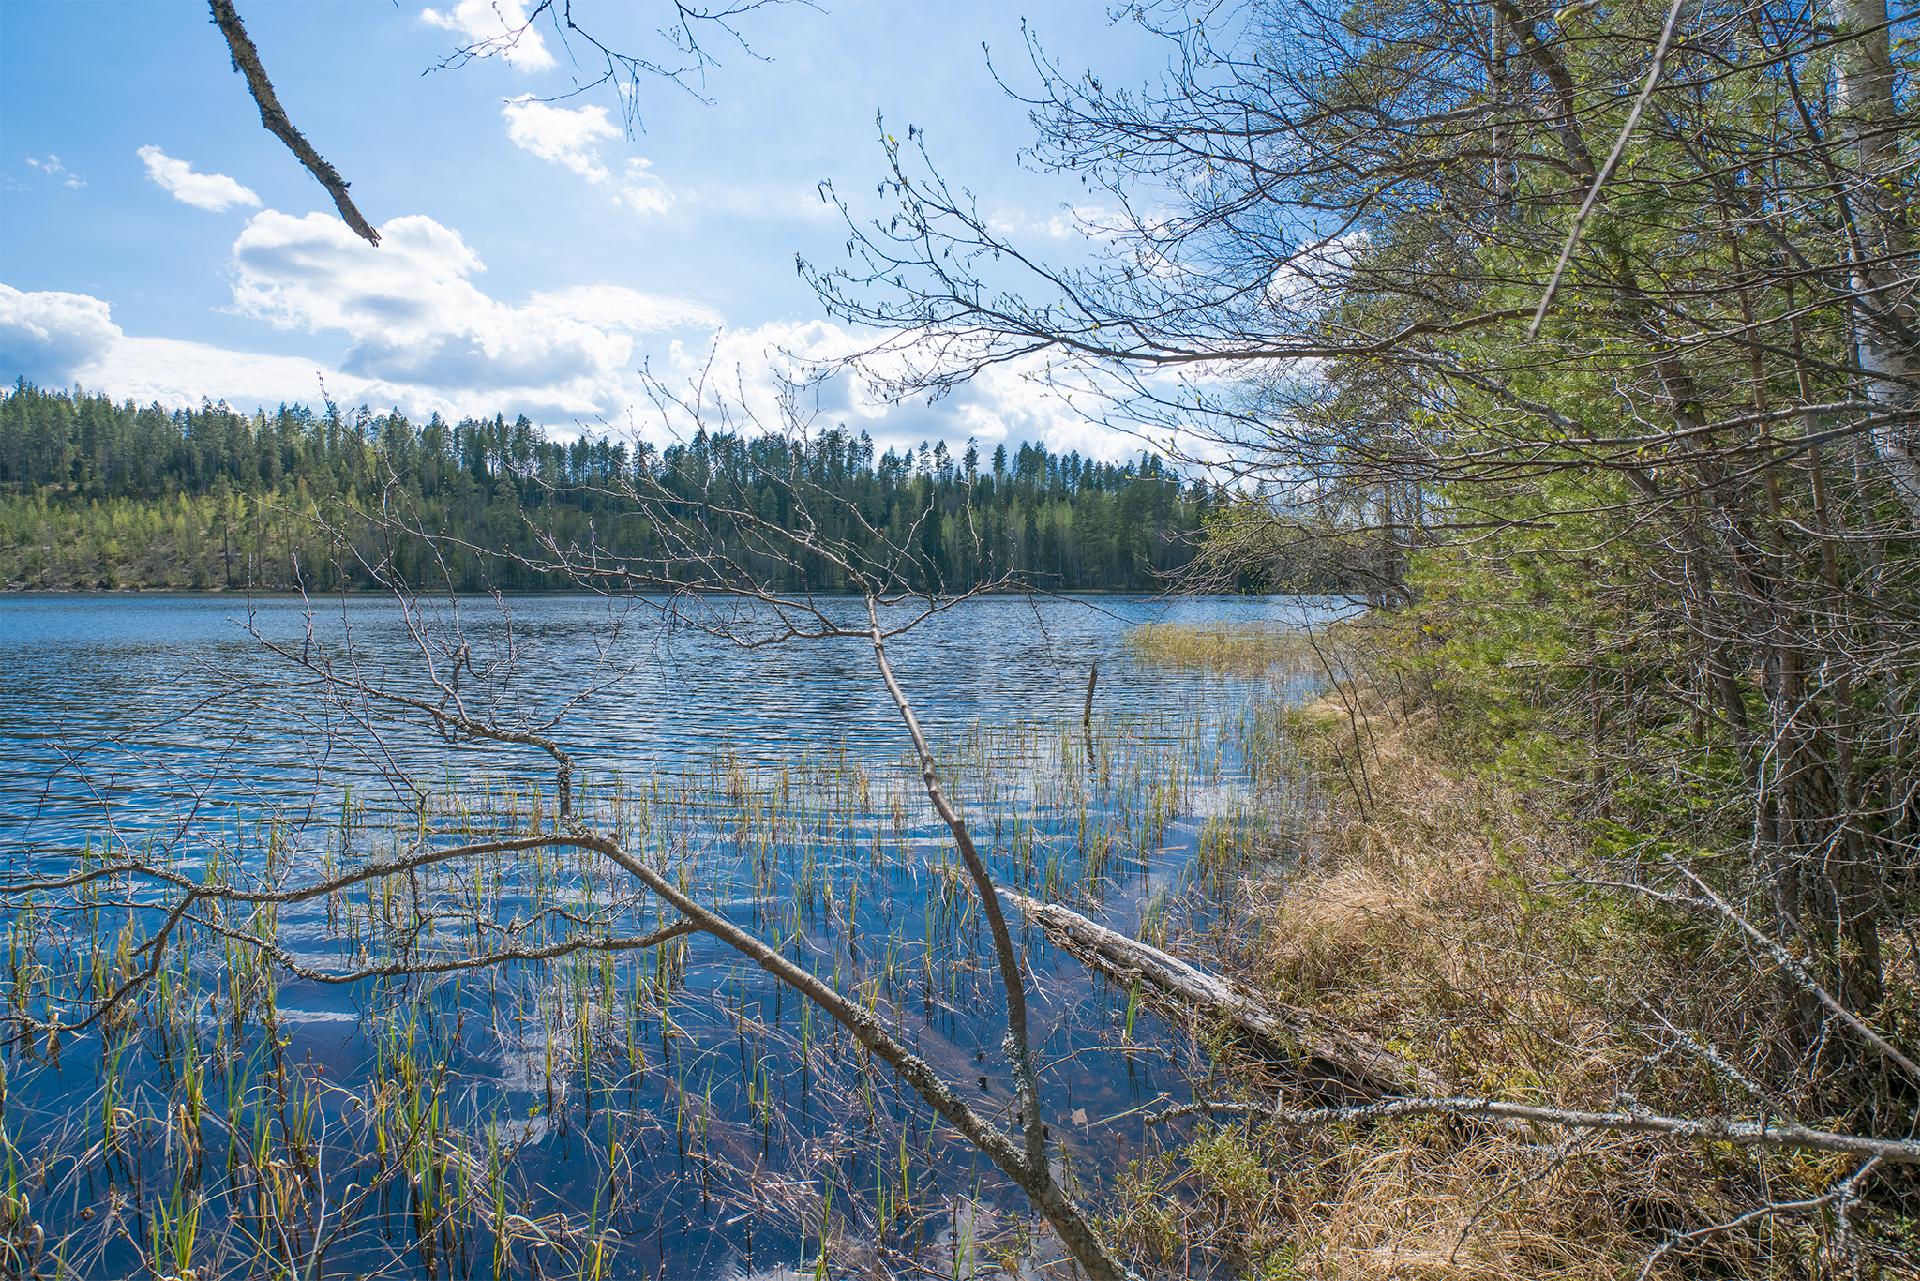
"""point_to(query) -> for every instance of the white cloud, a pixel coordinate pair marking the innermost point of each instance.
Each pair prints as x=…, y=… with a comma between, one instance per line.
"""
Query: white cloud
x=45, y=336
x=745, y=374
x=760, y=200
x=417, y=331
x=495, y=28
x=172, y=371
x=51, y=166
x=642, y=191
x=57, y=339
x=1316, y=275
x=1068, y=222
x=179, y=179
x=413, y=313
x=567, y=136
x=571, y=137
x=409, y=325
x=625, y=310
x=740, y=377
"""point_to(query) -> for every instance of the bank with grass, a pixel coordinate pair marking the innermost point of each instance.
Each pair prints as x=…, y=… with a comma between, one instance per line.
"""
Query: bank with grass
x=1475, y=917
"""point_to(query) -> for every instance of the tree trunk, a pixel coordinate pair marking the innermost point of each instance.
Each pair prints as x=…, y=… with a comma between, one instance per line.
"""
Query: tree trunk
x=1327, y=1059
x=1885, y=332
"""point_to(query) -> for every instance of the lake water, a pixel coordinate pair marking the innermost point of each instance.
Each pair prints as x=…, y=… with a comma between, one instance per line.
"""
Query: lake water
x=683, y=1117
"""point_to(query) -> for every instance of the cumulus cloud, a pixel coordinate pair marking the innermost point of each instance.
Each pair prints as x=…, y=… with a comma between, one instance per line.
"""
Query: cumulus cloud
x=413, y=313
x=571, y=137
x=625, y=310
x=418, y=332
x=180, y=180
x=59, y=339
x=409, y=326
x=172, y=371
x=568, y=136
x=751, y=377
x=495, y=28
x=746, y=376
x=44, y=337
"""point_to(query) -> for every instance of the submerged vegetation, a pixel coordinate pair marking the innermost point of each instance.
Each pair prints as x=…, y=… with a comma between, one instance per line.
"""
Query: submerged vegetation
x=1574, y=932
x=503, y=1063
x=507, y=1063
x=1585, y=335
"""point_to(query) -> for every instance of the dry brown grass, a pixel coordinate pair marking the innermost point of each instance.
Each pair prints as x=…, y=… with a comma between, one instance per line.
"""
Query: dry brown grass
x=1479, y=1211
x=1419, y=916
x=1432, y=914
x=1245, y=648
x=1444, y=915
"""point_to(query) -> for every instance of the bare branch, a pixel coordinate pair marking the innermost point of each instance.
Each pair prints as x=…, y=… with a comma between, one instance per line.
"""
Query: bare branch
x=246, y=60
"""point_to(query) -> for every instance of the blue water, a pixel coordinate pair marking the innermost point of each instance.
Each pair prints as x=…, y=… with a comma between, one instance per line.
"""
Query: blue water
x=168, y=728
x=161, y=704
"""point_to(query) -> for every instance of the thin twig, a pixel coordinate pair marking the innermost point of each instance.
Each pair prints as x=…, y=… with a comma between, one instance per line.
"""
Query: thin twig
x=1769, y=1134
x=1654, y=71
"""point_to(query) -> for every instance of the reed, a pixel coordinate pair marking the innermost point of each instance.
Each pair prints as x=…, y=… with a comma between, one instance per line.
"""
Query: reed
x=1245, y=648
x=550, y=1116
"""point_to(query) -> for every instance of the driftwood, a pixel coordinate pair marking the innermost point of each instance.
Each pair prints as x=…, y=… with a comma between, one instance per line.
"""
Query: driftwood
x=1310, y=1050
x=1526, y=1117
x=1333, y=1060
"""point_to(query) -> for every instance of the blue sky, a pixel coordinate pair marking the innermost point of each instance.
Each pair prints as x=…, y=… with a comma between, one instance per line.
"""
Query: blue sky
x=157, y=243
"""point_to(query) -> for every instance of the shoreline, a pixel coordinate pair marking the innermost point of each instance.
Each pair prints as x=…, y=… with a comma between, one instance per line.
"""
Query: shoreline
x=289, y=593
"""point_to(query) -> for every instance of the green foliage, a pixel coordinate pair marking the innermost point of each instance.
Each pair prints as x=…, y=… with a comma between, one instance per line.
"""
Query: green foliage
x=99, y=495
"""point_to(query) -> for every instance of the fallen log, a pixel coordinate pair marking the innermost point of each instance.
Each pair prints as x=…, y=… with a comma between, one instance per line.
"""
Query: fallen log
x=1326, y=1059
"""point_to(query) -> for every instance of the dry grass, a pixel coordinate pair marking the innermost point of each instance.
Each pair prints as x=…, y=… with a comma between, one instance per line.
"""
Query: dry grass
x=1482, y=1211
x=1419, y=917
x=1433, y=913
x=1245, y=648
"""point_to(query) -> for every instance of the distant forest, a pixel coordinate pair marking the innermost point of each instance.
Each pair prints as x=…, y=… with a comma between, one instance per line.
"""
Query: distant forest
x=98, y=494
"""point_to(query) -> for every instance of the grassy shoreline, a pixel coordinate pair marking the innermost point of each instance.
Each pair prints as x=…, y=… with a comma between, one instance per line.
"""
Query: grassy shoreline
x=512, y=593
x=1449, y=914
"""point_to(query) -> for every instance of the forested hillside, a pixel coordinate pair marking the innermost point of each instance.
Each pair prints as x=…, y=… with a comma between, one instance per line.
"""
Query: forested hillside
x=95, y=494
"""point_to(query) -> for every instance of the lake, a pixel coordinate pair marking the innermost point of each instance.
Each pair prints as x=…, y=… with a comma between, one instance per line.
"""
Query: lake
x=663, y=1111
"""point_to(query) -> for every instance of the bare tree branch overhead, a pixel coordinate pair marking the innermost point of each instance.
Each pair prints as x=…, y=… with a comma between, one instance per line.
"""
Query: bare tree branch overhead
x=687, y=38
x=246, y=60
x=622, y=71
x=1332, y=249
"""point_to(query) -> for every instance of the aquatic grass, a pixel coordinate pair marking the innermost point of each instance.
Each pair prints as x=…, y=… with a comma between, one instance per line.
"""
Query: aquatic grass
x=1240, y=648
x=391, y=1133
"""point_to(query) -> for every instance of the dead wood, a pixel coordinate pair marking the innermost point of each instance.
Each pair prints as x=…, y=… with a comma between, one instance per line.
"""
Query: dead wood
x=1305, y=1047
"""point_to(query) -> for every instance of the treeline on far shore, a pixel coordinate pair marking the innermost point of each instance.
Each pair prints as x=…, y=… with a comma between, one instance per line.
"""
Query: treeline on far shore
x=96, y=495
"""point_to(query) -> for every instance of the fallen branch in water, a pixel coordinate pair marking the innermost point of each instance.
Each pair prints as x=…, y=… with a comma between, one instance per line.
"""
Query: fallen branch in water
x=1770, y=1134
x=1326, y=1058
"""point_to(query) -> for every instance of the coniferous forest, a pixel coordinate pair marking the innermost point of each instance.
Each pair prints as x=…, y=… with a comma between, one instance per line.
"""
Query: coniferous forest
x=97, y=494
